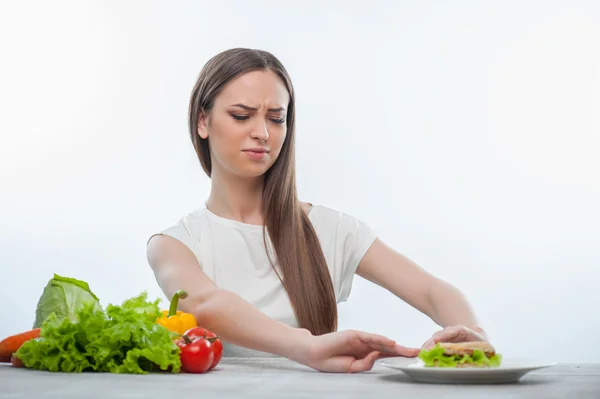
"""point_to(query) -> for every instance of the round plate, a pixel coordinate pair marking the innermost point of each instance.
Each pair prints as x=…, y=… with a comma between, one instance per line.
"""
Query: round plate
x=510, y=371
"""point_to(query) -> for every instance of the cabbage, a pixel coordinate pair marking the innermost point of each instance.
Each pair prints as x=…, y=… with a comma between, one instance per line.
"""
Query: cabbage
x=63, y=296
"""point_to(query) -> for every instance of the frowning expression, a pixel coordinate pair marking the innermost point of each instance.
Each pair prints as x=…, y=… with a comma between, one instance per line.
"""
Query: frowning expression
x=247, y=126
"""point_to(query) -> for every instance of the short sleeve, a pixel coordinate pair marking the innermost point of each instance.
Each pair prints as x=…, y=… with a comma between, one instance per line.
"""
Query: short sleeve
x=345, y=240
x=354, y=240
x=185, y=233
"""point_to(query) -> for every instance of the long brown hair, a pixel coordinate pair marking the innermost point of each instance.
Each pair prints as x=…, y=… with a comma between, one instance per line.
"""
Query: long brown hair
x=304, y=271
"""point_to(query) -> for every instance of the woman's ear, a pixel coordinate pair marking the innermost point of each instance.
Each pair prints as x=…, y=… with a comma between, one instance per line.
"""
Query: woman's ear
x=203, y=125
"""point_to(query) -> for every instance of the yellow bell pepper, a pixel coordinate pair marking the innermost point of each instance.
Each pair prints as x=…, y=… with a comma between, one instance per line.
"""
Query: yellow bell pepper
x=176, y=320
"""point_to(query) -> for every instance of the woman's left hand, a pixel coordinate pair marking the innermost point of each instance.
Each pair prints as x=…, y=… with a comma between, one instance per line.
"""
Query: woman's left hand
x=458, y=333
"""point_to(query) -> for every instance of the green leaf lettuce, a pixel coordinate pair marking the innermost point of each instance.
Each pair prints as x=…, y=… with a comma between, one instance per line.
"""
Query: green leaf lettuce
x=436, y=355
x=122, y=339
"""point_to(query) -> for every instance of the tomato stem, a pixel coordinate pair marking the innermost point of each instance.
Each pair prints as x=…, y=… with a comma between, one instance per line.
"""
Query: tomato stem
x=187, y=339
x=181, y=294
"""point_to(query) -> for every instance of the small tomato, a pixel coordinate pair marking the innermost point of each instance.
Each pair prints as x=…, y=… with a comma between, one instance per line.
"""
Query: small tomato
x=201, y=350
x=217, y=345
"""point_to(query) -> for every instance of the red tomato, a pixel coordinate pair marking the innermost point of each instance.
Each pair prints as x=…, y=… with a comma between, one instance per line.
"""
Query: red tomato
x=217, y=345
x=201, y=350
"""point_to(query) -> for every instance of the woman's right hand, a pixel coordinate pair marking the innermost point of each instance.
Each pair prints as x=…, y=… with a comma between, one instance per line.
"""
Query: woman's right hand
x=348, y=351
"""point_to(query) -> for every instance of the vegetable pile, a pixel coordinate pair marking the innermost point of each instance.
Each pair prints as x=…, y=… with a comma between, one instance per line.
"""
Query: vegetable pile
x=73, y=333
x=121, y=339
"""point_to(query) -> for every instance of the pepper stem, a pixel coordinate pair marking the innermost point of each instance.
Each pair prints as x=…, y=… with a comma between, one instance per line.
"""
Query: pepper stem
x=181, y=294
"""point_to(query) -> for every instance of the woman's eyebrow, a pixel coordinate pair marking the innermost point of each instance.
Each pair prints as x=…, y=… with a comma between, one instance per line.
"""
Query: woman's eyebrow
x=248, y=108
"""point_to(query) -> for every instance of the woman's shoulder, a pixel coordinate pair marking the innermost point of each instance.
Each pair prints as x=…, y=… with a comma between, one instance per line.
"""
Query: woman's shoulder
x=187, y=224
x=321, y=210
x=328, y=216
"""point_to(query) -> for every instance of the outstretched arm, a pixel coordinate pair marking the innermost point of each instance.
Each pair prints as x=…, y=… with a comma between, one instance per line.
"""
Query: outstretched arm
x=442, y=302
x=238, y=322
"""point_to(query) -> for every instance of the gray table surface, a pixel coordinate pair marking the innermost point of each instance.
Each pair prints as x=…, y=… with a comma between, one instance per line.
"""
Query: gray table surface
x=276, y=378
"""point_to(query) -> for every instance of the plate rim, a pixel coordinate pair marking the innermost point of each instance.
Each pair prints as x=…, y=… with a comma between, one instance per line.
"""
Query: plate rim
x=532, y=365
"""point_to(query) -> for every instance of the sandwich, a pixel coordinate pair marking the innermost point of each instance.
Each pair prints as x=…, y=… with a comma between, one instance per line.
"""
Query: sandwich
x=461, y=354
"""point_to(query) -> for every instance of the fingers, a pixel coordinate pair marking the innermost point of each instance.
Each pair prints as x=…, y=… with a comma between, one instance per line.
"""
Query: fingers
x=386, y=356
x=387, y=346
x=367, y=363
x=445, y=335
x=429, y=344
x=398, y=350
x=376, y=341
x=364, y=364
x=404, y=351
x=456, y=333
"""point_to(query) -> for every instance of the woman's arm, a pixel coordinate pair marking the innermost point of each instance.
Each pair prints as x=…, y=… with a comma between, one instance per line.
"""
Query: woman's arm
x=221, y=311
x=442, y=302
x=238, y=322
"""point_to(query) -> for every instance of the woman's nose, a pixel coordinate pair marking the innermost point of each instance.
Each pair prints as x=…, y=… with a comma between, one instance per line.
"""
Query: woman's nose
x=260, y=133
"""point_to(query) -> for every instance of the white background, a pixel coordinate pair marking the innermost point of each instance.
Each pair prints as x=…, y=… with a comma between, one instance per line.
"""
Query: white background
x=465, y=133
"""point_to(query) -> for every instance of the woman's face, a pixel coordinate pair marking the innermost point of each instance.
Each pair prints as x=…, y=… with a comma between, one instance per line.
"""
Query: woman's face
x=247, y=124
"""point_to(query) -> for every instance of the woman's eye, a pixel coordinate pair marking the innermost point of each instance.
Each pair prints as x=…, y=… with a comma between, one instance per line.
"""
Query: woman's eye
x=244, y=117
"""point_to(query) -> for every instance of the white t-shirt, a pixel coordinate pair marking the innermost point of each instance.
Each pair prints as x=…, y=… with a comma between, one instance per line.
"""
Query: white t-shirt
x=233, y=255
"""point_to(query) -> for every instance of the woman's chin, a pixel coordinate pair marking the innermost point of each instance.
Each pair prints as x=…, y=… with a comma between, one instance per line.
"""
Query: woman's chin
x=251, y=171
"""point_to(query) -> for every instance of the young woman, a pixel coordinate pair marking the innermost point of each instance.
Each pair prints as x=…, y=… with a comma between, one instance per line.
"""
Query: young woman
x=264, y=270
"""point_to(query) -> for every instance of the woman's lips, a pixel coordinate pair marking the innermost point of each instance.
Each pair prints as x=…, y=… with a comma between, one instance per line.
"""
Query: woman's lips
x=256, y=153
